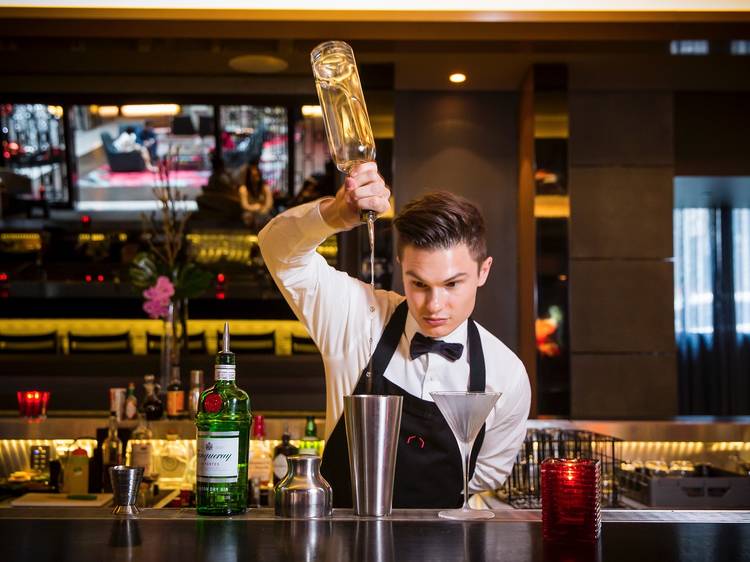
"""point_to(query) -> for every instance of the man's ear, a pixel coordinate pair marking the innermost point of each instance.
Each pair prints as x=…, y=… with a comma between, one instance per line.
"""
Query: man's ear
x=484, y=271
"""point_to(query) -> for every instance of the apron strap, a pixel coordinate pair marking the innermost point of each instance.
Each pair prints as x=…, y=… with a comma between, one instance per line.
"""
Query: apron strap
x=477, y=377
x=388, y=343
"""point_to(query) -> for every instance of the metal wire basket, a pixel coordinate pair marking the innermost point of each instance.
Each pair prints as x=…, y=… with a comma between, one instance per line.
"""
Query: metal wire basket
x=523, y=487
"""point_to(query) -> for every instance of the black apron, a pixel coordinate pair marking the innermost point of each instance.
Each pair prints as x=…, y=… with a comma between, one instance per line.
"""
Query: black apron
x=428, y=461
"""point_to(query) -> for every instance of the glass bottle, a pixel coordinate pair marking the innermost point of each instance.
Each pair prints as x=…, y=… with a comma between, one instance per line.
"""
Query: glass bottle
x=310, y=440
x=259, y=466
x=196, y=387
x=131, y=403
x=175, y=395
x=173, y=461
x=111, y=452
x=280, y=453
x=141, y=449
x=152, y=404
x=347, y=123
x=223, y=427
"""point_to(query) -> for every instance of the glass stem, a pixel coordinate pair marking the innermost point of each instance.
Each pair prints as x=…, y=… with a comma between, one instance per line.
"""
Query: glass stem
x=466, y=451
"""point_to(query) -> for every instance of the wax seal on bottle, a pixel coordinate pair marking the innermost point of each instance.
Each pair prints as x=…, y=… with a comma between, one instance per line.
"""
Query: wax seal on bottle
x=213, y=403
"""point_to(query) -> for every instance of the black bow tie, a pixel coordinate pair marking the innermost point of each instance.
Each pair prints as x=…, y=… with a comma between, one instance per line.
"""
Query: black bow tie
x=422, y=344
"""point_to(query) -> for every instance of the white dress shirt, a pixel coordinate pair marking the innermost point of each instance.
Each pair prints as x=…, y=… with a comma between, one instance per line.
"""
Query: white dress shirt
x=335, y=309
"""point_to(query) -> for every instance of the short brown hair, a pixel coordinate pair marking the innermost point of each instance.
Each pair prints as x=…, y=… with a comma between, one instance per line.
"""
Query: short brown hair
x=441, y=220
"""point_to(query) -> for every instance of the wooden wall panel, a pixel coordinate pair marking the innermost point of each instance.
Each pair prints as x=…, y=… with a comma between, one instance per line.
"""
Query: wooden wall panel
x=614, y=211
x=467, y=143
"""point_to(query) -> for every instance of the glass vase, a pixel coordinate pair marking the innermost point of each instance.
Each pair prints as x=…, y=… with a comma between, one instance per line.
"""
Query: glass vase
x=172, y=340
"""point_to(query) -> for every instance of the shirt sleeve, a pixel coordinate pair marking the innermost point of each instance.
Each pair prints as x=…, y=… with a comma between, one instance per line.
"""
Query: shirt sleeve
x=333, y=306
x=504, y=436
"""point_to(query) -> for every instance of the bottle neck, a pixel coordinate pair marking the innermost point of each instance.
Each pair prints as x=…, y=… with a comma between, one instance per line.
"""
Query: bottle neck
x=112, y=427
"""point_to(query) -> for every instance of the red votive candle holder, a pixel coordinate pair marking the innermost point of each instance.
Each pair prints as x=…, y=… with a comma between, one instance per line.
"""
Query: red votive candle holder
x=571, y=500
x=32, y=403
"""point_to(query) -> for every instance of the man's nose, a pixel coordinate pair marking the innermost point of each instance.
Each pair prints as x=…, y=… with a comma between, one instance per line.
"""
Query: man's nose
x=435, y=302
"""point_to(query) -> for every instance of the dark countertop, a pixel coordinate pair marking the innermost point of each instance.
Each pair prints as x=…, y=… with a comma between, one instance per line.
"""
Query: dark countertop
x=41, y=534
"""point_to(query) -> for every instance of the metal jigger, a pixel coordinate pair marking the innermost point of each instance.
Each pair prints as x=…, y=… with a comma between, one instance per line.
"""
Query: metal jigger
x=126, y=480
x=372, y=426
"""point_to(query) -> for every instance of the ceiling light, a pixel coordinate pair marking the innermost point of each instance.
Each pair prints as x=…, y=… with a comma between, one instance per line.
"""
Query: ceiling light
x=312, y=111
x=258, y=64
x=108, y=111
x=149, y=110
x=457, y=78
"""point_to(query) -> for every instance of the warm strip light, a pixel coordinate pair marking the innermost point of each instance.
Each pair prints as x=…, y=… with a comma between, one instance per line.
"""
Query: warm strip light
x=404, y=5
x=150, y=110
x=108, y=111
x=457, y=78
x=312, y=111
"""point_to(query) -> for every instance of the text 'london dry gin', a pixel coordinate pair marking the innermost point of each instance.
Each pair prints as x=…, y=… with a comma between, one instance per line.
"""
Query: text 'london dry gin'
x=223, y=427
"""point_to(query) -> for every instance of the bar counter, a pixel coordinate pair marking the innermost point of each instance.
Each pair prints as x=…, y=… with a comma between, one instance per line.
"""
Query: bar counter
x=84, y=534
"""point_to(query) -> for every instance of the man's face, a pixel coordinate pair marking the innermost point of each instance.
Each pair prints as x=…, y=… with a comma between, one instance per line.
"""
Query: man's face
x=441, y=286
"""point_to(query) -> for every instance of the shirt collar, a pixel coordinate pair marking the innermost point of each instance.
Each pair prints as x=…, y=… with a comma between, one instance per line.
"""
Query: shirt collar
x=456, y=336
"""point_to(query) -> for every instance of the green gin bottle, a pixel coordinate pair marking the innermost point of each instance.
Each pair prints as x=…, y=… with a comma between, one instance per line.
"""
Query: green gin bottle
x=223, y=428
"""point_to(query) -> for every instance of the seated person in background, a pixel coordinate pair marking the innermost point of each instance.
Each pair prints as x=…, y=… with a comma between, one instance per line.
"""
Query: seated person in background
x=256, y=197
x=128, y=142
x=220, y=199
x=310, y=192
x=147, y=137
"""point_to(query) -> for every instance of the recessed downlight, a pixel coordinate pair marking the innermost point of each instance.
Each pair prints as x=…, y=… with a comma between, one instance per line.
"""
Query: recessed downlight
x=258, y=64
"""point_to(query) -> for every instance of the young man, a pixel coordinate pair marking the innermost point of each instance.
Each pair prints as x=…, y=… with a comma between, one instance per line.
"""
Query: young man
x=425, y=342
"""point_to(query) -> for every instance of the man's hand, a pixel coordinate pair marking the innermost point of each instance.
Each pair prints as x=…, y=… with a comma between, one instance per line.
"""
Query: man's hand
x=363, y=190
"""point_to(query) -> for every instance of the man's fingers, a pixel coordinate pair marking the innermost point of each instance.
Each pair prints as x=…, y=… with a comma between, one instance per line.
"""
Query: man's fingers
x=363, y=168
x=377, y=204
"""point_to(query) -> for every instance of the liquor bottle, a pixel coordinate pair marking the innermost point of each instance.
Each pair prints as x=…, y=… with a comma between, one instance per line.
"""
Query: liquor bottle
x=111, y=452
x=223, y=427
x=152, y=404
x=172, y=462
x=141, y=450
x=175, y=395
x=280, y=453
x=196, y=387
x=131, y=403
x=310, y=442
x=259, y=466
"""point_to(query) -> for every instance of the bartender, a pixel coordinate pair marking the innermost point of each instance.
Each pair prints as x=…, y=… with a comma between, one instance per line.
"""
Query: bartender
x=426, y=341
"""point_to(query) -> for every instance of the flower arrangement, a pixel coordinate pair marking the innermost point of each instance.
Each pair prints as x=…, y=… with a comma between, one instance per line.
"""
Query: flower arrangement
x=165, y=273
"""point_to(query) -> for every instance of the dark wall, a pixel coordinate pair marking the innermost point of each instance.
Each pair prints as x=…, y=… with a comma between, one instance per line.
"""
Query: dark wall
x=467, y=143
x=621, y=280
x=711, y=133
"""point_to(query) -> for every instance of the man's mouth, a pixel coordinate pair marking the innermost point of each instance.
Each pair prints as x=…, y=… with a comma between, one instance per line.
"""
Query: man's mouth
x=435, y=321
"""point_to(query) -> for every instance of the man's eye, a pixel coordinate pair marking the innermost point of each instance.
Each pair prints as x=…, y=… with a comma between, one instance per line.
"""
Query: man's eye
x=451, y=284
x=419, y=284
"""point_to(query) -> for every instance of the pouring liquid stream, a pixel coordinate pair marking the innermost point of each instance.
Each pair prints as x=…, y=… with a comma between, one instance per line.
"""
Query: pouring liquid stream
x=367, y=217
x=371, y=237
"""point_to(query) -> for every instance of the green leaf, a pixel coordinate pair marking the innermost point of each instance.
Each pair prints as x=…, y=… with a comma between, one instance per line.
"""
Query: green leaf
x=143, y=271
x=192, y=281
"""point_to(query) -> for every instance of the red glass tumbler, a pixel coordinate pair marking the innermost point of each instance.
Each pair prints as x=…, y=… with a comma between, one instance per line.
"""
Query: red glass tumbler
x=32, y=403
x=571, y=500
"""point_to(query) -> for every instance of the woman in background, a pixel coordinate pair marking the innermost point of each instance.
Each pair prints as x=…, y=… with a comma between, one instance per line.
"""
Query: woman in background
x=256, y=197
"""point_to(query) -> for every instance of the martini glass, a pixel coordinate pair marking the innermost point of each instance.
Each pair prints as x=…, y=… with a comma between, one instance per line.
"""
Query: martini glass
x=465, y=413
